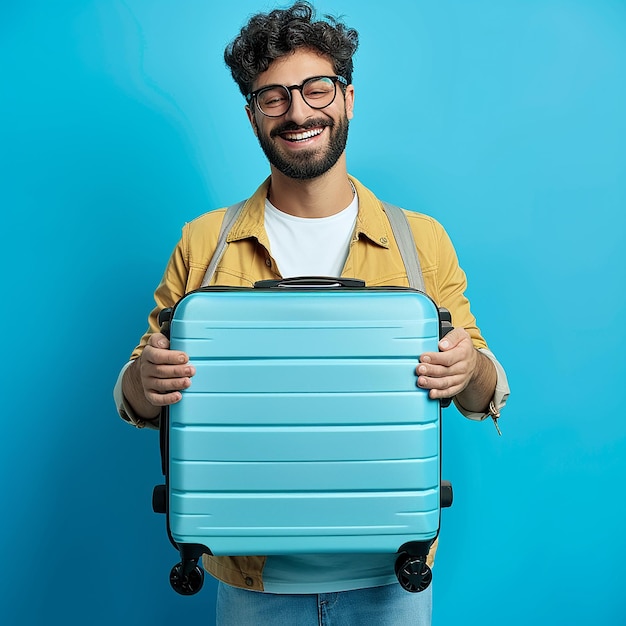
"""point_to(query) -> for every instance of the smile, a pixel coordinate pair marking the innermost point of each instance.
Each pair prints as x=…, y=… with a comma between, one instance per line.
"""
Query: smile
x=302, y=136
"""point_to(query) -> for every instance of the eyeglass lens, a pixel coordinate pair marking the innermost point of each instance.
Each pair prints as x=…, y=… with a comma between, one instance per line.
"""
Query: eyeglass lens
x=316, y=92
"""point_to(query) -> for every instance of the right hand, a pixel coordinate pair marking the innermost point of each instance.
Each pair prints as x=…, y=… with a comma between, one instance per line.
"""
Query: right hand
x=164, y=372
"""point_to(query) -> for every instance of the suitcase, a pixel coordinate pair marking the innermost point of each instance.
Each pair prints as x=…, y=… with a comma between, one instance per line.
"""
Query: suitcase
x=303, y=430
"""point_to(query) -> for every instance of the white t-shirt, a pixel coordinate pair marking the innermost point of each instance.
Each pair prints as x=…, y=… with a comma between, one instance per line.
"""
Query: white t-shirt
x=304, y=246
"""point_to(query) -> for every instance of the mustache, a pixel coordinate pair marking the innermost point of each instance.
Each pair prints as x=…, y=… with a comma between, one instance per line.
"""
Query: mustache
x=287, y=127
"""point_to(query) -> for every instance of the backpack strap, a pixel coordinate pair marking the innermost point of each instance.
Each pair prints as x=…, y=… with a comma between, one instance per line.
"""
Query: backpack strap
x=399, y=226
x=232, y=213
x=406, y=244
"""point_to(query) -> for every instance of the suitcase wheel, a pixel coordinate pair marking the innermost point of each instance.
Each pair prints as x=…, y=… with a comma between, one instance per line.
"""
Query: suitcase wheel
x=186, y=584
x=413, y=573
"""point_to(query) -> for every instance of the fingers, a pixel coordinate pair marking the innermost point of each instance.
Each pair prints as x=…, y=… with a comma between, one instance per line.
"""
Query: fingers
x=461, y=368
x=162, y=399
x=453, y=339
x=443, y=382
x=164, y=373
x=444, y=387
x=454, y=359
x=162, y=391
x=448, y=372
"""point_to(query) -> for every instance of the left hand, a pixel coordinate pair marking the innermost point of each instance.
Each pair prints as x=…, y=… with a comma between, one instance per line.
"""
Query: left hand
x=448, y=372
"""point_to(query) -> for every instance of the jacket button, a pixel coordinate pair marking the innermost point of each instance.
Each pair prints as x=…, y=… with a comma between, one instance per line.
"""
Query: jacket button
x=268, y=262
x=383, y=240
x=249, y=581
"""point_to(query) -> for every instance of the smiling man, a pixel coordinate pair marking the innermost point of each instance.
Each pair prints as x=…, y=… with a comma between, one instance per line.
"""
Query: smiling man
x=310, y=218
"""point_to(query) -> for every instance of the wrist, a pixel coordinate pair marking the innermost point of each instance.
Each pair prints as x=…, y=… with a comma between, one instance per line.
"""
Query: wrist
x=480, y=389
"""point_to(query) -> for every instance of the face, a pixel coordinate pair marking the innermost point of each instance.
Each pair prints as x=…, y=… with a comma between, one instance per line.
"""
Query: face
x=305, y=142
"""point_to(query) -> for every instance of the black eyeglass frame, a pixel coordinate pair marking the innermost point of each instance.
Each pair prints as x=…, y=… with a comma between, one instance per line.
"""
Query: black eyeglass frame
x=336, y=79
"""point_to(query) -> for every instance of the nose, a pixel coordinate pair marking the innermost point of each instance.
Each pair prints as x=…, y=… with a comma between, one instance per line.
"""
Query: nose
x=299, y=109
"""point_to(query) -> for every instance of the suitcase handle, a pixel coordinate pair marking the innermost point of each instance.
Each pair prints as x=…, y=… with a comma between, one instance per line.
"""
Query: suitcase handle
x=165, y=317
x=310, y=282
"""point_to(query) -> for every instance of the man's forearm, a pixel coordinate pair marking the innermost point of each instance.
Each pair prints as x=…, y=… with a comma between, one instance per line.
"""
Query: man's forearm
x=479, y=392
x=134, y=393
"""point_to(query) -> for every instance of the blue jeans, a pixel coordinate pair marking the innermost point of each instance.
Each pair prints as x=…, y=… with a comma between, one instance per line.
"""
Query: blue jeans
x=379, y=606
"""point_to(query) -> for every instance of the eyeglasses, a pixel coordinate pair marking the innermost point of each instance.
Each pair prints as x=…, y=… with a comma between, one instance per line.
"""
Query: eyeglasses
x=318, y=92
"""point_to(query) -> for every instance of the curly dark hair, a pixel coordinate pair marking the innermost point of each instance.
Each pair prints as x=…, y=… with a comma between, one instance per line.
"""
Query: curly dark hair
x=268, y=36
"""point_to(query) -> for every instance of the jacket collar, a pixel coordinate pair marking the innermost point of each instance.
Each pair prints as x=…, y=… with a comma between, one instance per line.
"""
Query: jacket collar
x=370, y=222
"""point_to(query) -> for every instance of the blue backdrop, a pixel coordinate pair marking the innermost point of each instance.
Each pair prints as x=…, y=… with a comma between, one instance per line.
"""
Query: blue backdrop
x=503, y=119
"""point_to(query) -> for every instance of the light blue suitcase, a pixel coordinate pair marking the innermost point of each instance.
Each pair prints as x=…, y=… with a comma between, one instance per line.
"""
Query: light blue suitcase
x=303, y=430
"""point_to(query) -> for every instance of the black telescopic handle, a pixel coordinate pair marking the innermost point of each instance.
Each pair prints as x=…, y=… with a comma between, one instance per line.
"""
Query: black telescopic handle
x=310, y=282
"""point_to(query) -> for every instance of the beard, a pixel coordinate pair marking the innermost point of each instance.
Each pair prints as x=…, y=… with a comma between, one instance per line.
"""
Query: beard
x=307, y=164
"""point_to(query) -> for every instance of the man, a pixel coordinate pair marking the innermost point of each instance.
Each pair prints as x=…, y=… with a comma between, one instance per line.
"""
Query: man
x=310, y=218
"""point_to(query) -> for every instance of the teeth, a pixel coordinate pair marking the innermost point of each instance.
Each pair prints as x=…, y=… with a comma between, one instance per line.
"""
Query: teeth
x=305, y=135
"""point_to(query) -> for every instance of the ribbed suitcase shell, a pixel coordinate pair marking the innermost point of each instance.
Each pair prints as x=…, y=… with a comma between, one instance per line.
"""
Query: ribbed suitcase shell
x=303, y=430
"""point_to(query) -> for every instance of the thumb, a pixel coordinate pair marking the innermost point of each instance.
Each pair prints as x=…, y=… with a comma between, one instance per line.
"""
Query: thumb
x=159, y=340
x=452, y=339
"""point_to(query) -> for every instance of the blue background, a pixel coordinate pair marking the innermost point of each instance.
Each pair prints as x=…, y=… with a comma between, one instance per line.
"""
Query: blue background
x=503, y=119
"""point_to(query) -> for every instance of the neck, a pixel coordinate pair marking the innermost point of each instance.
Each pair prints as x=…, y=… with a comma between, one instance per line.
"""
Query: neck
x=319, y=197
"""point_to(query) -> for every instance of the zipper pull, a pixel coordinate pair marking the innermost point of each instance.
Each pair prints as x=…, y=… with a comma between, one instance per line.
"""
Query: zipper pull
x=494, y=414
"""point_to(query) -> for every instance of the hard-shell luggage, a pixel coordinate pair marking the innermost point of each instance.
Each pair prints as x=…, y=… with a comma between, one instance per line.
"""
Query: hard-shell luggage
x=304, y=430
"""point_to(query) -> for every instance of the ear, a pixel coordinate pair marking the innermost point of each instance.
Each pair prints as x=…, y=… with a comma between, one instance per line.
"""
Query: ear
x=349, y=100
x=252, y=119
